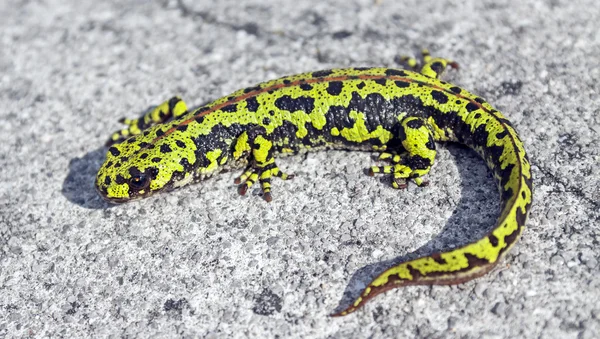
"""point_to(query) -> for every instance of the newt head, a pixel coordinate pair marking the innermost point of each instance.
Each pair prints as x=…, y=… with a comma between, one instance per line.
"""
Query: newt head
x=143, y=165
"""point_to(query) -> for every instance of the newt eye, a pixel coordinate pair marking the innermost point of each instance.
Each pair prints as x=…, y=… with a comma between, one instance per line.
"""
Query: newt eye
x=139, y=182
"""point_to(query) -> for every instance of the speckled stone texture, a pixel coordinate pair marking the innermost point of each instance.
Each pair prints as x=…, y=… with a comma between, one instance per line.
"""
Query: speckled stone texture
x=206, y=262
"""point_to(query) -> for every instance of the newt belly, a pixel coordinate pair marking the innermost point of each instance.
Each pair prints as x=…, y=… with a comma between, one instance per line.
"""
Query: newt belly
x=397, y=112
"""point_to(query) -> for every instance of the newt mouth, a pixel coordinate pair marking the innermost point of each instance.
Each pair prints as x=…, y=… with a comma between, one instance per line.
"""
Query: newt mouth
x=117, y=200
x=112, y=200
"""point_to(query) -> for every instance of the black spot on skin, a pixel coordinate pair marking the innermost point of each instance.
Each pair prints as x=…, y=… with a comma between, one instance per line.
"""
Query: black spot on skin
x=480, y=136
x=107, y=180
x=187, y=167
x=362, y=68
x=156, y=159
x=306, y=87
x=134, y=171
x=109, y=164
x=458, y=101
x=159, y=133
x=396, y=72
x=165, y=148
x=287, y=103
x=475, y=261
x=479, y=100
x=144, y=144
x=477, y=116
x=438, y=259
x=437, y=67
x=492, y=153
x=505, y=178
x=416, y=162
x=120, y=180
x=230, y=98
x=173, y=102
x=114, y=151
x=506, y=195
x=180, y=143
x=267, y=303
x=256, y=131
x=415, y=123
x=430, y=143
x=229, y=108
x=199, y=119
x=471, y=107
x=201, y=159
x=450, y=120
x=272, y=112
x=251, y=89
x=523, y=195
x=266, y=121
x=182, y=128
x=493, y=240
x=439, y=96
x=287, y=81
x=456, y=89
x=521, y=217
x=124, y=159
x=505, y=122
x=323, y=73
x=143, y=155
x=286, y=128
x=252, y=104
x=393, y=281
x=413, y=272
x=472, y=260
x=502, y=134
x=384, y=113
x=361, y=85
x=381, y=81
x=402, y=84
x=335, y=87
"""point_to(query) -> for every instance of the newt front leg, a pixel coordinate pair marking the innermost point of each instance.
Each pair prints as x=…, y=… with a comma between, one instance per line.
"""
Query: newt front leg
x=170, y=109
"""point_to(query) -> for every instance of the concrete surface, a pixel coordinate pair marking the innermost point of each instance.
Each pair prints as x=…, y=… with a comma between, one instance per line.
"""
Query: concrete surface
x=205, y=262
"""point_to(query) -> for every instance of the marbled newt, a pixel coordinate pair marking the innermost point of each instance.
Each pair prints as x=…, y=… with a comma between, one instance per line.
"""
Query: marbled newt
x=400, y=113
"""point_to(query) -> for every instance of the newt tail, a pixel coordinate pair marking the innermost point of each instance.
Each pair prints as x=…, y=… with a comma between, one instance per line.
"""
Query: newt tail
x=497, y=142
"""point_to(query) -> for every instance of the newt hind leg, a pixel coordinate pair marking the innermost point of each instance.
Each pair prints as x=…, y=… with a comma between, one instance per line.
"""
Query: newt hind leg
x=170, y=109
x=416, y=161
x=430, y=66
